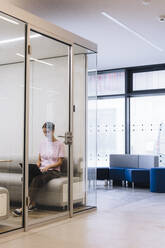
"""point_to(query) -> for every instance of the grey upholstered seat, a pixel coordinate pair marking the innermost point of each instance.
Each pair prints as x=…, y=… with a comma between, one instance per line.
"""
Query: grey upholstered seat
x=4, y=203
x=54, y=193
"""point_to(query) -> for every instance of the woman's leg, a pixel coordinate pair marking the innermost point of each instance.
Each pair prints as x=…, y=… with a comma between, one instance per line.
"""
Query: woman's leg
x=33, y=172
x=39, y=181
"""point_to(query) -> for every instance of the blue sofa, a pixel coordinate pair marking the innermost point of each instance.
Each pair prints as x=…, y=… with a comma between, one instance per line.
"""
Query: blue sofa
x=103, y=173
x=132, y=168
x=138, y=176
x=157, y=179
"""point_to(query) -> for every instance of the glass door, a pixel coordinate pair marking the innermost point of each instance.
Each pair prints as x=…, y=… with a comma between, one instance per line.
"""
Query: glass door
x=84, y=130
x=48, y=128
x=12, y=71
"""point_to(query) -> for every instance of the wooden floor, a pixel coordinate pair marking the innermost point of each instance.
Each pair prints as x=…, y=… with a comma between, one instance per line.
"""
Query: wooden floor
x=125, y=218
x=34, y=217
x=16, y=222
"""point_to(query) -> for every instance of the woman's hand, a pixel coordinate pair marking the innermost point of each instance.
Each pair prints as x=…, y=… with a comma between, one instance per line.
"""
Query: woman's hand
x=39, y=161
x=38, y=164
x=45, y=169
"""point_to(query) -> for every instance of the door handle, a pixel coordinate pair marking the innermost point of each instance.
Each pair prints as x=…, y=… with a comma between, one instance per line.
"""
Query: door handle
x=68, y=138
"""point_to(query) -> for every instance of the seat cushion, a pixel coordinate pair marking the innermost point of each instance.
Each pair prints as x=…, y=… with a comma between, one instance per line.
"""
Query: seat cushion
x=13, y=183
x=55, y=192
x=103, y=173
x=157, y=180
x=148, y=161
x=4, y=203
x=11, y=167
x=137, y=175
x=124, y=160
x=116, y=173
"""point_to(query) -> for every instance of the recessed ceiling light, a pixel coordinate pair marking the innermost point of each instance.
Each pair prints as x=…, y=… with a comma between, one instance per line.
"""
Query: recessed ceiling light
x=20, y=55
x=33, y=59
x=35, y=36
x=132, y=31
x=92, y=70
x=9, y=20
x=146, y=2
x=41, y=61
x=18, y=39
x=11, y=40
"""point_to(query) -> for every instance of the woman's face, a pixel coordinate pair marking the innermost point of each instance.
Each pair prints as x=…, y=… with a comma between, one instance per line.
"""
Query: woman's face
x=48, y=133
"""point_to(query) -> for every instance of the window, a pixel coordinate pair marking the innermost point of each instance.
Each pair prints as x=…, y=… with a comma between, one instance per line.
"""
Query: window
x=92, y=87
x=110, y=129
x=149, y=80
x=110, y=83
x=148, y=126
x=110, y=116
x=91, y=140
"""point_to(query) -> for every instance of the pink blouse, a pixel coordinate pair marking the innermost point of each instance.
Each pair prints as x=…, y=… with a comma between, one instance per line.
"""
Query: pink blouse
x=50, y=152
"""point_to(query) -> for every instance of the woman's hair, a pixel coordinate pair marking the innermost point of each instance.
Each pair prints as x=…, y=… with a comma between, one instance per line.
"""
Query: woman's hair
x=49, y=125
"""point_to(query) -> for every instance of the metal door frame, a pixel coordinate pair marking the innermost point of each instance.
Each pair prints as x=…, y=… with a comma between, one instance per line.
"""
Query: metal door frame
x=69, y=213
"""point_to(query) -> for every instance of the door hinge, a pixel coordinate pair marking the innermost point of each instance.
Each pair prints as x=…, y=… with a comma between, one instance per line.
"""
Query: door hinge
x=29, y=50
x=68, y=138
x=74, y=108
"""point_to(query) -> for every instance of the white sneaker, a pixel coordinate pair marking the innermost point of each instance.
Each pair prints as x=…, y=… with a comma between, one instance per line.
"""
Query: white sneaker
x=17, y=212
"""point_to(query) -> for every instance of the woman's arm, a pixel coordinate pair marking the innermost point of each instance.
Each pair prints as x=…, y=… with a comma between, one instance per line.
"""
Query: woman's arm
x=59, y=163
x=39, y=161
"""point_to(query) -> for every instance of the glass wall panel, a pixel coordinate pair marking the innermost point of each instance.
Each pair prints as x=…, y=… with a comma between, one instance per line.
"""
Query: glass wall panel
x=91, y=142
x=109, y=83
x=49, y=122
x=148, y=126
x=82, y=197
x=12, y=42
x=110, y=129
x=149, y=80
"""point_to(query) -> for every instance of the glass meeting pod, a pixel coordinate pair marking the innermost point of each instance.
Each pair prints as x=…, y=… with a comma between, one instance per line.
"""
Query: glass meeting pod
x=43, y=79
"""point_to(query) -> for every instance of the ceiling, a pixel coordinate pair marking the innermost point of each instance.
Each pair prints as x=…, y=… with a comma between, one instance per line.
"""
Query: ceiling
x=12, y=44
x=117, y=47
